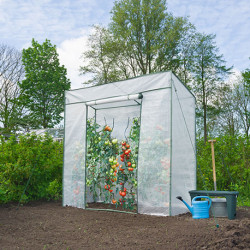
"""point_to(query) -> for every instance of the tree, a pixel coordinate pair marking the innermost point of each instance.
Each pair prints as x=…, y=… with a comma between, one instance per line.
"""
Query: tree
x=185, y=54
x=246, y=79
x=11, y=73
x=242, y=100
x=227, y=122
x=209, y=71
x=140, y=25
x=44, y=85
x=103, y=57
x=142, y=38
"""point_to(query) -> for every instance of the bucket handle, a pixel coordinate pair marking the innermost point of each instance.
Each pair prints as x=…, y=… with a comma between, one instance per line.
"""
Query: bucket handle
x=205, y=197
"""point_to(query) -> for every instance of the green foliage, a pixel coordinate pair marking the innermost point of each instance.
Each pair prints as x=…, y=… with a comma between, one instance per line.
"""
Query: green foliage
x=232, y=162
x=142, y=38
x=246, y=79
x=44, y=86
x=208, y=70
x=34, y=160
x=111, y=165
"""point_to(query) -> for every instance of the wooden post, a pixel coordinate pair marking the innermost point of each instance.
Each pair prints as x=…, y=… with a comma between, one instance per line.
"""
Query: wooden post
x=213, y=162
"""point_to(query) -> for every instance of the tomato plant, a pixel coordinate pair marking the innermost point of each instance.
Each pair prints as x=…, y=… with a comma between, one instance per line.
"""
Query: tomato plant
x=111, y=164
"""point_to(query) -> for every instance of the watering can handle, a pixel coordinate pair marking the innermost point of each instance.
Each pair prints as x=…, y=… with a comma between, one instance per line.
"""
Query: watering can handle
x=205, y=197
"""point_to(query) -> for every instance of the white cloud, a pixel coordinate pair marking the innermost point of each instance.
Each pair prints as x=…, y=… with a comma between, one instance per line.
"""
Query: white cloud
x=70, y=52
x=56, y=20
x=234, y=78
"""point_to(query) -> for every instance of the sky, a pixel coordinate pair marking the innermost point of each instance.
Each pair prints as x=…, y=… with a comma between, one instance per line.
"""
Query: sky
x=67, y=24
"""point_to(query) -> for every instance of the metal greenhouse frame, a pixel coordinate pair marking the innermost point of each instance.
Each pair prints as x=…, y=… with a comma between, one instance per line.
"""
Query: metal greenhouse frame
x=153, y=113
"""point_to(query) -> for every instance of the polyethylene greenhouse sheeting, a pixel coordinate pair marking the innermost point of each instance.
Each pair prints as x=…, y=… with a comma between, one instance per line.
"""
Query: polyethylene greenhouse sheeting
x=167, y=157
x=131, y=86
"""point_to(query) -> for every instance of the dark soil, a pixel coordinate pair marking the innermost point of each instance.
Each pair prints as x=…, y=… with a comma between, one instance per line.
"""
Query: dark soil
x=48, y=225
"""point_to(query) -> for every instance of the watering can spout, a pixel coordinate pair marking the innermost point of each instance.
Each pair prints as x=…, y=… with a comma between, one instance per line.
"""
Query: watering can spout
x=189, y=208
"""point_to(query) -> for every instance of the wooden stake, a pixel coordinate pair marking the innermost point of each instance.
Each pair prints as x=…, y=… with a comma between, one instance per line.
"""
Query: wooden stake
x=213, y=162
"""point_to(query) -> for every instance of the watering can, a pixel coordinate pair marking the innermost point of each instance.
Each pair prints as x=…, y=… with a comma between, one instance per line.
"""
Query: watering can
x=199, y=209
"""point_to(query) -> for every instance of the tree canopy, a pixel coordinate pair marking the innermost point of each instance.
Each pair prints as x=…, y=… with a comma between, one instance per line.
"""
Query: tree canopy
x=44, y=85
x=142, y=38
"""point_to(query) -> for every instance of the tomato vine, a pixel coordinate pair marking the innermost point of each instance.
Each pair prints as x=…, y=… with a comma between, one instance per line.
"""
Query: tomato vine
x=111, y=172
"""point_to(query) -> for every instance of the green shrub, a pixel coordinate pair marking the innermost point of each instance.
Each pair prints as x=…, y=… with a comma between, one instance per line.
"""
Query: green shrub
x=232, y=161
x=34, y=160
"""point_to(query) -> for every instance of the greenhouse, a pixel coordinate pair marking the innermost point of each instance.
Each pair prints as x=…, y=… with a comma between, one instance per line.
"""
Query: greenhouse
x=130, y=146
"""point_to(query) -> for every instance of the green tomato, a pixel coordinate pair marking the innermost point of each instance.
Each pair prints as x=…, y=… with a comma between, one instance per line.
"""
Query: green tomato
x=115, y=162
x=99, y=138
x=107, y=173
x=114, y=141
x=133, y=165
x=106, y=142
x=111, y=170
x=110, y=160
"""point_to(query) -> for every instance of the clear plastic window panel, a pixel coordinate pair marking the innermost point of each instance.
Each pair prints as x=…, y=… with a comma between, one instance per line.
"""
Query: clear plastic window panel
x=74, y=156
x=154, y=153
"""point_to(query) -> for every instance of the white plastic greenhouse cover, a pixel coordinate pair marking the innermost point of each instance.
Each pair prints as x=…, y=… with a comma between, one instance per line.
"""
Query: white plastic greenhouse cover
x=167, y=149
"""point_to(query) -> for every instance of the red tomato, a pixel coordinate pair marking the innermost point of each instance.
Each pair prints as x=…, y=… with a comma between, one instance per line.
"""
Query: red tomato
x=121, y=183
x=122, y=159
x=123, y=194
x=127, y=146
x=113, y=201
x=130, y=169
x=122, y=155
x=123, y=143
x=127, y=151
x=123, y=148
x=129, y=164
x=108, y=186
x=105, y=187
x=120, y=193
x=125, y=189
x=110, y=190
